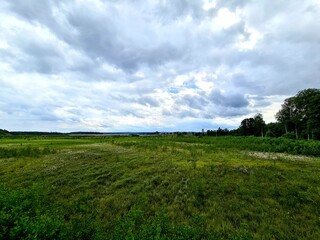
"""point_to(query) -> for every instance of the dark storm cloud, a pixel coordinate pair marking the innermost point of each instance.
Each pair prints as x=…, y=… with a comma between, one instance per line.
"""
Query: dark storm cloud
x=230, y=112
x=234, y=100
x=101, y=37
x=103, y=34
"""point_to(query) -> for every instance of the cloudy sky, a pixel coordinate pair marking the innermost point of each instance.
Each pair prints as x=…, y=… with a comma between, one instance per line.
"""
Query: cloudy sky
x=152, y=65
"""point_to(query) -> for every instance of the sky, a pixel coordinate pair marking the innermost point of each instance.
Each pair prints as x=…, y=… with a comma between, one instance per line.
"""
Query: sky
x=152, y=65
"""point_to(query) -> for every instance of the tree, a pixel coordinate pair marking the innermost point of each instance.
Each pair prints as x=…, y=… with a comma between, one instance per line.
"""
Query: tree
x=252, y=126
x=288, y=115
x=259, y=125
x=283, y=115
x=301, y=114
x=275, y=129
x=247, y=127
x=4, y=132
x=308, y=103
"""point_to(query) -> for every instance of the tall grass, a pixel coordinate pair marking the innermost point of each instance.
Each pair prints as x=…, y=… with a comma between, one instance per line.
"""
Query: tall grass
x=25, y=152
x=157, y=188
x=283, y=145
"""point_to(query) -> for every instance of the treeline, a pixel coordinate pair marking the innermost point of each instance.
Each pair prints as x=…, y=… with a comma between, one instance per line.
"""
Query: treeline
x=35, y=133
x=4, y=132
x=298, y=118
x=301, y=114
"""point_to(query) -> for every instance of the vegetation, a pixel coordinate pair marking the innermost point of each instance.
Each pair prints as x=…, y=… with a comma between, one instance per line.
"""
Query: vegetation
x=252, y=126
x=4, y=132
x=299, y=118
x=159, y=188
x=178, y=186
x=301, y=114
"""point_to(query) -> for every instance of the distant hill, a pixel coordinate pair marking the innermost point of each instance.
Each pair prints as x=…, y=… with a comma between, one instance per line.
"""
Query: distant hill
x=85, y=133
x=34, y=133
x=4, y=132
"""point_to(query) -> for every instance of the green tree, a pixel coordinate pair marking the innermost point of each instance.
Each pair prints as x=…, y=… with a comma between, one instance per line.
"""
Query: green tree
x=252, y=126
x=301, y=114
x=275, y=129
x=288, y=115
x=308, y=103
x=247, y=127
x=4, y=132
x=259, y=125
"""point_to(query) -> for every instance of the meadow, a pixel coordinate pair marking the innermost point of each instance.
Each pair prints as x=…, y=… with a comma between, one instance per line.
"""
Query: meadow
x=159, y=187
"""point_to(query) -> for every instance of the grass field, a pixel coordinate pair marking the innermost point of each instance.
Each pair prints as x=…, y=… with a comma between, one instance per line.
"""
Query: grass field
x=159, y=188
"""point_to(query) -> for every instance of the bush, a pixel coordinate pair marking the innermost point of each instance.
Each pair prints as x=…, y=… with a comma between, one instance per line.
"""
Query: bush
x=26, y=214
x=289, y=135
x=269, y=133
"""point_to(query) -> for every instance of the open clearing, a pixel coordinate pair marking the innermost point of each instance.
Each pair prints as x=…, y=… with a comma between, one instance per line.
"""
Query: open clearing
x=158, y=188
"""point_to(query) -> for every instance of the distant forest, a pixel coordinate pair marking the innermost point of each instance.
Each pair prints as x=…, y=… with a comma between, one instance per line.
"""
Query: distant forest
x=298, y=118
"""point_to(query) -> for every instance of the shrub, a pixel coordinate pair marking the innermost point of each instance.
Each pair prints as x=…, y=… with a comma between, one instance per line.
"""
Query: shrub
x=269, y=133
x=289, y=135
x=26, y=214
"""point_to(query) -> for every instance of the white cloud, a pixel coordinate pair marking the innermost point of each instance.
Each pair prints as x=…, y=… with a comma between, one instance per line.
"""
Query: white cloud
x=208, y=5
x=146, y=65
x=225, y=18
x=249, y=42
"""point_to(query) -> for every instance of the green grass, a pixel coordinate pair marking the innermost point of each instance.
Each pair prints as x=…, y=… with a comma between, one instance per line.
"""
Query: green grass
x=158, y=188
